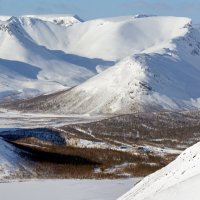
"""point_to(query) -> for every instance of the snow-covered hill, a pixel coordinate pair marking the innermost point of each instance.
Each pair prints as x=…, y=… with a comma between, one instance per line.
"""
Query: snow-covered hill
x=162, y=73
x=157, y=66
x=116, y=38
x=144, y=62
x=11, y=163
x=178, y=181
x=32, y=56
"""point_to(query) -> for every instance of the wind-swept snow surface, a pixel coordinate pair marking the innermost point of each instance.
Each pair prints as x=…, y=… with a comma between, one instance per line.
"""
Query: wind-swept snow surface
x=178, y=181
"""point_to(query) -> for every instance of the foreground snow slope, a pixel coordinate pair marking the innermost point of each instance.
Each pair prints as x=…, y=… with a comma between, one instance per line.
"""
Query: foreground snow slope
x=178, y=181
x=161, y=73
x=11, y=161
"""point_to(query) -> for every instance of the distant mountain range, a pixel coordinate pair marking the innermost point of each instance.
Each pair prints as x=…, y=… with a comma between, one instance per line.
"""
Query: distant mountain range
x=117, y=65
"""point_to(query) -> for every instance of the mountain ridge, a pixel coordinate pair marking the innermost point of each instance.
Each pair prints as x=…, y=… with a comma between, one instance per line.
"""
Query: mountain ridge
x=135, y=63
x=31, y=41
x=153, y=79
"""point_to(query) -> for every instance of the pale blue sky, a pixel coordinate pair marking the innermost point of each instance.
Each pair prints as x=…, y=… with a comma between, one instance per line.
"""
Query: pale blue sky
x=89, y=9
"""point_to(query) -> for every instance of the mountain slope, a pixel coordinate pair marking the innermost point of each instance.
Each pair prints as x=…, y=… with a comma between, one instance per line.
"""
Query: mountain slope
x=161, y=74
x=162, y=77
x=116, y=38
x=35, y=46
x=11, y=163
x=178, y=181
x=155, y=63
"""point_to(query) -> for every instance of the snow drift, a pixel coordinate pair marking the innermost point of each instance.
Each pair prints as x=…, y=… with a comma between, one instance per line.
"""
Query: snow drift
x=178, y=181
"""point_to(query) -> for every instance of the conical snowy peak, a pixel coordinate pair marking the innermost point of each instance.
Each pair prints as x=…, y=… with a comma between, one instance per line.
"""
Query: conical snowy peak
x=178, y=181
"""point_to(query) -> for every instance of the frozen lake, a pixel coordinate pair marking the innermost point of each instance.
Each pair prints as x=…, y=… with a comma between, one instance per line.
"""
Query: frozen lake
x=66, y=189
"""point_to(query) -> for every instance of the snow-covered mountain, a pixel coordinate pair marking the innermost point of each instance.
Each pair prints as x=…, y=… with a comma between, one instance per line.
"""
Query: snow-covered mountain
x=156, y=66
x=119, y=37
x=162, y=71
x=178, y=181
x=34, y=57
x=144, y=62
